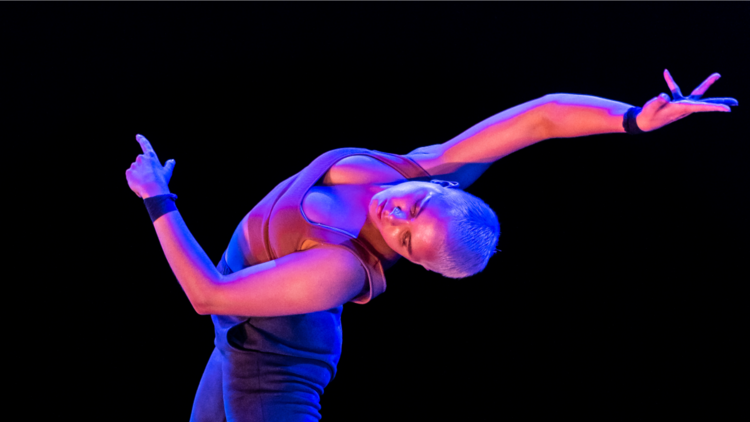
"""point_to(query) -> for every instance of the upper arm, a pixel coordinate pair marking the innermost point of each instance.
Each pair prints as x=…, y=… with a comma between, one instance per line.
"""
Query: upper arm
x=309, y=281
x=433, y=159
x=468, y=155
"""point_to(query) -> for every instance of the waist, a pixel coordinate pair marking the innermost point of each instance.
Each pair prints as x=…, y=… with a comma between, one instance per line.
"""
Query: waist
x=315, y=336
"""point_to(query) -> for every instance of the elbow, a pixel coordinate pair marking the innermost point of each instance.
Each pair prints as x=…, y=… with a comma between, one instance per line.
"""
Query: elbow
x=556, y=113
x=550, y=98
x=550, y=106
x=205, y=303
x=201, y=309
x=548, y=115
x=554, y=98
x=202, y=301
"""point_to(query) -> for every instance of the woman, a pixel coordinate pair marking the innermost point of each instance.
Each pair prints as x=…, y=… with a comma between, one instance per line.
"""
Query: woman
x=325, y=236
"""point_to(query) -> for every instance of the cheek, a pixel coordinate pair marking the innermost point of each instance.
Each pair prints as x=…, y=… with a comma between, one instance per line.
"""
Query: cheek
x=391, y=237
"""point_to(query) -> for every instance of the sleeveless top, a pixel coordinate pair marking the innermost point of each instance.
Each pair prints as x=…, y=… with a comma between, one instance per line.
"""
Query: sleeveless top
x=276, y=227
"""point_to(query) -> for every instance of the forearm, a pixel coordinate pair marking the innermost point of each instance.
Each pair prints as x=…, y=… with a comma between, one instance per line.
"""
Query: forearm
x=551, y=116
x=572, y=115
x=194, y=270
x=313, y=280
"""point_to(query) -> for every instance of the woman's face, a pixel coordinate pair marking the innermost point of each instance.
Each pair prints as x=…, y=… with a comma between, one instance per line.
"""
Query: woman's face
x=411, y=217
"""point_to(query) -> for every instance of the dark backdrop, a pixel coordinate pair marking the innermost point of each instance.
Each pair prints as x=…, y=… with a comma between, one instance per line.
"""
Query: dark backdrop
x=620, y=285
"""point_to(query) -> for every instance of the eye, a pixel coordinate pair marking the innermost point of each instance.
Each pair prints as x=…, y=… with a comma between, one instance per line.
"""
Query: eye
x=414, y=210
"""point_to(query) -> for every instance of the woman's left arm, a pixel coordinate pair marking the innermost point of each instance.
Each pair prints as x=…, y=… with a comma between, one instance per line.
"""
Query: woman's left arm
x=570, y=115
x=465, y=157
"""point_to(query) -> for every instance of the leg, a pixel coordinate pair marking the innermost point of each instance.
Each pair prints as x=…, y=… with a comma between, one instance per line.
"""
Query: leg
x=209, y=400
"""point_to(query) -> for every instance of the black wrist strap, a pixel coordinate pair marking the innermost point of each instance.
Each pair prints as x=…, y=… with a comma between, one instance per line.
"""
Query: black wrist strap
x=159, y=205
x=628, y=121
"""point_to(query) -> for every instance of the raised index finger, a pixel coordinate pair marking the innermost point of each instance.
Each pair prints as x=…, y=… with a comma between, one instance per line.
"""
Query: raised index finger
x=676, y=94
x=145, y=145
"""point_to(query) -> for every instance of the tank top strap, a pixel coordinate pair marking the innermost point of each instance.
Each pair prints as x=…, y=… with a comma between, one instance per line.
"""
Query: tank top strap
x=286, y=230
x=401, y=163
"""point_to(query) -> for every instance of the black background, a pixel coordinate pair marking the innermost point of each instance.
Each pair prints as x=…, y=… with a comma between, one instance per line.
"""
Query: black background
x=620, y=285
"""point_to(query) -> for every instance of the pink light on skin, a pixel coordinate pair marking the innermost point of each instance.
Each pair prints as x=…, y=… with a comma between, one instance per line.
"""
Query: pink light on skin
x=410, y=219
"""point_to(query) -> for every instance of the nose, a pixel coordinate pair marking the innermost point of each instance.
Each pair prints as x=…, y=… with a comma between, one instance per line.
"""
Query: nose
x=397, y=216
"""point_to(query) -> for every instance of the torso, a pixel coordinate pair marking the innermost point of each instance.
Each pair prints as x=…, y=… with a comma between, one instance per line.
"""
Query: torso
x=328, y=205
x=331, y=201
x=326, y=202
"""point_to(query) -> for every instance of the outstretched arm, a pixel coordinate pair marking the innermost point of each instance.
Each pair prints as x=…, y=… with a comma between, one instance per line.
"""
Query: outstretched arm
x=313, y=280
x=465, y=157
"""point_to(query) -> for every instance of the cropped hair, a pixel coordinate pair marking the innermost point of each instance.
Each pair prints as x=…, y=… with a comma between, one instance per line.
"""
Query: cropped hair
x=473, y=233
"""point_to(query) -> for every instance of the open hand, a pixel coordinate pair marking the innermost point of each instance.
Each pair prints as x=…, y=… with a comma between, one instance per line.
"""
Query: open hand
x=146, y=176
x=661, y=110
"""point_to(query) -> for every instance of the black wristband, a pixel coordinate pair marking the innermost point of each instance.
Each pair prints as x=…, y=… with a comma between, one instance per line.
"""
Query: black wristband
x=628, y=121
x=159, y=205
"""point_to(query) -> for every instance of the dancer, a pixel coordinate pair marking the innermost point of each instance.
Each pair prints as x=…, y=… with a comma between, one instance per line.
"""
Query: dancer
x=326, y=235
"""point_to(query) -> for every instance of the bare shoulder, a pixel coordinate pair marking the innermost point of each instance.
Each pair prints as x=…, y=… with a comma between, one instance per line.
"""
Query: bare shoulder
x=360, y=170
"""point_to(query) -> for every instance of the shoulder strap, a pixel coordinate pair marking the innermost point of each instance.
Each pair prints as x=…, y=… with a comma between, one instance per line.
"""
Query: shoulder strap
x=401, y=163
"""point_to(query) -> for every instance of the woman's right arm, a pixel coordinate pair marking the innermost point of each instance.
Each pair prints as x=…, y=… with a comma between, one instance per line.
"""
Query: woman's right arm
x=313, y=280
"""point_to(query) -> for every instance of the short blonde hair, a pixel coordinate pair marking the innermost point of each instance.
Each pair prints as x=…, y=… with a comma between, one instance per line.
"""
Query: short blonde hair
x=473, y=233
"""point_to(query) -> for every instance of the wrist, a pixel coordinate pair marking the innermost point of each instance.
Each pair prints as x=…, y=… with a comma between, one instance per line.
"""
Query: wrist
x=154, y=191
x=630, y=121
x=159, y=205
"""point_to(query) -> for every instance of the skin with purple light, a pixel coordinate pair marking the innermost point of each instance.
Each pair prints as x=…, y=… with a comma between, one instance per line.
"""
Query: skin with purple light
x=403, y=220
x=411, y=219
x=371, y=201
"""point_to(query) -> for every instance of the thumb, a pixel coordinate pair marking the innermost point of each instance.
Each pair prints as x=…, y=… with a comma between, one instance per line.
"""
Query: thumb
x=658, y=102
x=169, y=168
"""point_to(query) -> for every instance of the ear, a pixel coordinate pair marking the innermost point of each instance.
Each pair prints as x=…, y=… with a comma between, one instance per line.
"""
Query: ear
x=444, y=183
